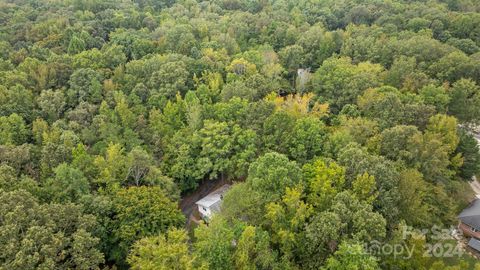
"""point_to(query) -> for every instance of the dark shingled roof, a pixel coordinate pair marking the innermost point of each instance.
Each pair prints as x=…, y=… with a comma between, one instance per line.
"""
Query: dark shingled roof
x=471, y=215
x=474, y=243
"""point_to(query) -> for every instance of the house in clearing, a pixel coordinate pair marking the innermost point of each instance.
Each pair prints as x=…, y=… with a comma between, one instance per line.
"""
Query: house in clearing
x=470, y=223
x=210, y=204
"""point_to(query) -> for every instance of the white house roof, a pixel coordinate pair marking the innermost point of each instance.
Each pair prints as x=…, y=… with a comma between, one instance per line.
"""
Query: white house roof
x=214, y=197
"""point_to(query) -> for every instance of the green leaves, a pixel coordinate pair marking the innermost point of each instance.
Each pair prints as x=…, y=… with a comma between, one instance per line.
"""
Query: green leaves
x=46, y=236
x=286, y=220
x=169, y=250
x=465, y=101
x=253, y=250
x=68, y=185
x=12, y=130
x=215, y=244
x=85, y=85
x=336, y=120
x=469, y=150
x=141, y=212
x=271, y=174
x=351, y=256
x=339, y=82
x=324, y=182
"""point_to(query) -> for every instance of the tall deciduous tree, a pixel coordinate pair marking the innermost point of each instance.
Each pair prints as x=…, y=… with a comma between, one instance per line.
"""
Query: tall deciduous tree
x=13, y=130
x=465, y=101
x=215, y=245
x=324, y=181
x=68, y=184
x=253, y=250
x=166, y=251
x=339, y=82
x=141, y=212
x=46, y=236
x=351, y=256
x=85, y=85
x=468, y=148
x=271, y=173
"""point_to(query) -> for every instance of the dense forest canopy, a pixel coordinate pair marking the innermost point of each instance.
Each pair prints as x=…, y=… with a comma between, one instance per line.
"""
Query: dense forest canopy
x=339, y=121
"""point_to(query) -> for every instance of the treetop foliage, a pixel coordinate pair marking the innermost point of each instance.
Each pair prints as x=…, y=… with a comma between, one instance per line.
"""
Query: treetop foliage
x=338, y=122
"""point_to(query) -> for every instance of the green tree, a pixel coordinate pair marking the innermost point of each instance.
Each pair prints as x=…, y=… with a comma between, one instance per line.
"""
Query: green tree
x=357, y=161
x=339, y=82
x=383, y=105
x=406, y=75
x=139, y=163
x=240, y=68
x=68, y=184
x=453, y=67
x=39, y=74
x=444, y=128
x=364, y=187
x=468, y=148
x=292, y=58
x=57, y=145
x=180, y=161
x=277, y=131
x=413, y=204
x=169, y=79
x=52, y=104
x=465, y=101
x=361, y=129
x=361, y=222
x=112, y=168
x=83, y=161
x=400, y=143
x=271, y=173
x=241, y=202
x=13, y=130
x=162, y=252
x=215, y=244
x=322, y=234
x=286, y=220
x=307, y=139
x=141, y=212
x=351, y=256
x=267, y=180
x=324, y=181
x=216, y=145
x=17, y=99
x=85, y=85
x=46, y=236
x=180, y=39
x=238, y=88
x=253, y=250
x=76, y=45
x=318, y=45
x=436, y=96
x=466, y=45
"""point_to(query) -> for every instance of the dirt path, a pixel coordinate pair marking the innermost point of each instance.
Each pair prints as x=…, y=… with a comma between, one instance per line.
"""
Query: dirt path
x=475, y=186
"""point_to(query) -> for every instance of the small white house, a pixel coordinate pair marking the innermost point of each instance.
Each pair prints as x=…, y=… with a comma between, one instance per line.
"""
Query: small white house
x=211, y=203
